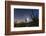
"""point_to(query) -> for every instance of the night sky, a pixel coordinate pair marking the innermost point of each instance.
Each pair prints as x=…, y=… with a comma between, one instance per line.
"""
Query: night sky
x=24, y=13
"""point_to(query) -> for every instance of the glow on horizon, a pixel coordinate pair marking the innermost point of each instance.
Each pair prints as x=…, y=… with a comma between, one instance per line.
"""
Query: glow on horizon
x=27, y=19
x=22, y=20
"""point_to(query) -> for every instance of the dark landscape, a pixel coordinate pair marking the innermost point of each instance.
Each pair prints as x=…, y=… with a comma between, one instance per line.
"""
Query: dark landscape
x=32, y=14
x=34, y=23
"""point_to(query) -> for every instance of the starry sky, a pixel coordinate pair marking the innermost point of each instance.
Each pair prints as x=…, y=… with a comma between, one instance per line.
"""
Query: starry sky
x=24, y=13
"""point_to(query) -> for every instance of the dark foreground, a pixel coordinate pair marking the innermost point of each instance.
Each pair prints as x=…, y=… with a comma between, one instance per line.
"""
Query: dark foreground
x=30, y=24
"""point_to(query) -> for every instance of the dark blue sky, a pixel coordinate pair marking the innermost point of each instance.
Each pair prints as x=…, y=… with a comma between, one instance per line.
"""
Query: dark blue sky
x=23, y=13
